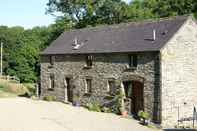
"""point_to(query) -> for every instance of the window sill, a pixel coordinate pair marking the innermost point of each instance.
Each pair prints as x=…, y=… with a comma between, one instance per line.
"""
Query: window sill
x=88, y=94
x=50, y=66
x=131, y=68
x=87, y=67
x=111, y=94
x=108, y=97
x=50, y=89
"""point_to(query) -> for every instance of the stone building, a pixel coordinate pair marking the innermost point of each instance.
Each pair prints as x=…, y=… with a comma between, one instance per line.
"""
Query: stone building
x=155, y=61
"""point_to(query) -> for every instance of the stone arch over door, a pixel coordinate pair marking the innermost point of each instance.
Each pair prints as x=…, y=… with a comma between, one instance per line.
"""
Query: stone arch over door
x=134, y=92
x=133, y=78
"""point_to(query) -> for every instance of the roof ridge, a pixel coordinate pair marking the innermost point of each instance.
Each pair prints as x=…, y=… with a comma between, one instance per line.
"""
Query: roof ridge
x=142, y=22
x=124, y=37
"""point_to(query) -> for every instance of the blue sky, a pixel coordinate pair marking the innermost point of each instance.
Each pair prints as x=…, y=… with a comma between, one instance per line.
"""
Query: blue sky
x=26, y=13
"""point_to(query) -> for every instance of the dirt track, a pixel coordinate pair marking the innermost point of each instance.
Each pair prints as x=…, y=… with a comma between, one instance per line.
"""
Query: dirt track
x=21, y=114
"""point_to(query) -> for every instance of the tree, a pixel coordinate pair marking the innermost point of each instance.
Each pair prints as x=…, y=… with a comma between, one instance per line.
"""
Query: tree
x=142, y=9
x=83, y=13
x=175, y=7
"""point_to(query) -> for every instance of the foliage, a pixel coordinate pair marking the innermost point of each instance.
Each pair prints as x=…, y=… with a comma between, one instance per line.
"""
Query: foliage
x=143, y=115
x=106, y=110
x=94, y=106
x=49, y=98
x=22, y=46
x=83, y=13
x=13, y=89
x=31, y=88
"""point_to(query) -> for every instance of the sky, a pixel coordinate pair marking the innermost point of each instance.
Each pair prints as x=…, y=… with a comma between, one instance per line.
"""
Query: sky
x=25, y=13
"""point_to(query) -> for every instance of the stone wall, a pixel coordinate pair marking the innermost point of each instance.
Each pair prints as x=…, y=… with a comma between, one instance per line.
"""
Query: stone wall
x=105, y=66
x=179, y=75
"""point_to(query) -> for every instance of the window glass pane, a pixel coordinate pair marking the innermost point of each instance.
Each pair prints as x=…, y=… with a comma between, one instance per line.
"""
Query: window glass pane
x=89, y=60
x=133, y=60
x=130, y=60
x=52, y=60
x=88, y=86
x=51, y=82
x=111, y=85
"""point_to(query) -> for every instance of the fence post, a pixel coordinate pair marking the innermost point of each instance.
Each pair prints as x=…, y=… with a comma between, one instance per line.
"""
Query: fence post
x=194, y=116
x=37, y=90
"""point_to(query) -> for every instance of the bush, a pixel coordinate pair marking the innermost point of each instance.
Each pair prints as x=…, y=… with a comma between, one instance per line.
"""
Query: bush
x=94, y=106
x=31, y=88
x=106, y=110
x=49, y=98
x=16, y=89
x=144, y=117
x=118, y=105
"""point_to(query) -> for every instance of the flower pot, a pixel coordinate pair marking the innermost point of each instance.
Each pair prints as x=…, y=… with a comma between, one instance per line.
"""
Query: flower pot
x=124, y=113
x=144, y=121
x=76, y=104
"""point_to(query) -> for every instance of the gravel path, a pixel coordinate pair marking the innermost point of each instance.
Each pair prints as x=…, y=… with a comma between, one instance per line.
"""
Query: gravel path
x=21, y=114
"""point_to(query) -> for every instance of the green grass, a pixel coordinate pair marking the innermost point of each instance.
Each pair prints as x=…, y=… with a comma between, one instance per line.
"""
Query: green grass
x=4, y=93
x=9, y=89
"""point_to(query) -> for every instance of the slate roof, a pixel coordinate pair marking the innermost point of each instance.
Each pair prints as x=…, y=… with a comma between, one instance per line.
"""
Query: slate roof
x=127, y=37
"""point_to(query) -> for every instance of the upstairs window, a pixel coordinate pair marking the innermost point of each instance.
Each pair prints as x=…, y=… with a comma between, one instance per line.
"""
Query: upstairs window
x=52, y=60
x=51, y=82
x=88, y=88
x=133, y=60
x=89, y=61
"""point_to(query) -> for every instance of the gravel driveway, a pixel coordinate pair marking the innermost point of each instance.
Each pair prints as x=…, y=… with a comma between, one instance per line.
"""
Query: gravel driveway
x=21, y=114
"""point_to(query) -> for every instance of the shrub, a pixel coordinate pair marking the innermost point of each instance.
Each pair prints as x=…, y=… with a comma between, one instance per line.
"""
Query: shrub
x=94, y=106
x=106, y=110
x=144, y=117
x=118, y=105
x=17, y=89
x=49, y=98
x=31, y=88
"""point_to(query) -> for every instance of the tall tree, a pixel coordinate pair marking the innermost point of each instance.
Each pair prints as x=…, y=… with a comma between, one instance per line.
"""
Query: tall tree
x=90, y=12
x=167, y=8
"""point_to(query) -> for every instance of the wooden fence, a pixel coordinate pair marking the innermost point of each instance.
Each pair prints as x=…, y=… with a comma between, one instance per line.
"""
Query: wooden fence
x=10, y=78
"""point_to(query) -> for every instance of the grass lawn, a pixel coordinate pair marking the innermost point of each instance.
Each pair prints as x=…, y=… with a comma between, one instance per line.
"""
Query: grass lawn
x=9, y=89
x=4, y=94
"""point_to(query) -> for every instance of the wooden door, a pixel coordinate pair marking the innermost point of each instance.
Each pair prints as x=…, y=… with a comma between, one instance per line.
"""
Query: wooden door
x=69, y=90
x=137, y=97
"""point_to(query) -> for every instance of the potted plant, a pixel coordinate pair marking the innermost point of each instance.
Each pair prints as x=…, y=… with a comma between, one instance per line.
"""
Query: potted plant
x=144, y=117
x=120, y=100
x=77, y=102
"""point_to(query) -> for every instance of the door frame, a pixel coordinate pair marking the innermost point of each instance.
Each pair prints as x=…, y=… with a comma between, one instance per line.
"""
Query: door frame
x=137, y=104
x=132, y=80
x=66, y=90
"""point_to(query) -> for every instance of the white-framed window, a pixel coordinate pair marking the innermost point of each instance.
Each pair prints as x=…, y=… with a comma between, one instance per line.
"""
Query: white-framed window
x=51, y=82
x=133, y=60
x=88, y=86
x=89, y=61
x=111, y=86
x=52, y=60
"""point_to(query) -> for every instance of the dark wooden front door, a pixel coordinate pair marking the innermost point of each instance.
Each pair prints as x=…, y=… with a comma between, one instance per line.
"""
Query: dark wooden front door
x=69, y=91
x=137, y=97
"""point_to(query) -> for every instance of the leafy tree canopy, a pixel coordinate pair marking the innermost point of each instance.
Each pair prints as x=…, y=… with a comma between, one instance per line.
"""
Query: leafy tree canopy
x=22, y=47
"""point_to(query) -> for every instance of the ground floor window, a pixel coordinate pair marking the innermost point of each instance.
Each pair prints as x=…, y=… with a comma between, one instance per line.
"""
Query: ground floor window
x=88, y=86
x=51, y=81
x=111, y=87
